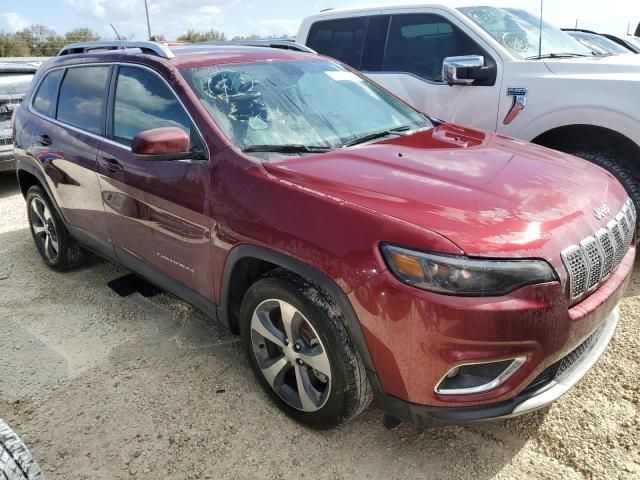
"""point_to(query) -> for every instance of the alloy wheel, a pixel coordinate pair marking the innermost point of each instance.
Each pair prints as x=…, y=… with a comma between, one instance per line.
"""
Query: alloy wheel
x=290, y=355
x=44, y=229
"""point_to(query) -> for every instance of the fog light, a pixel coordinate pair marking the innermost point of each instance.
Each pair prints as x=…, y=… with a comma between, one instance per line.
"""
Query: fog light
x=473, y=378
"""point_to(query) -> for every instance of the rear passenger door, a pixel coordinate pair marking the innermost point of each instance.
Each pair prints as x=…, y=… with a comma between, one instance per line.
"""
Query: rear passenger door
x=69, y=107
x=157, y=209
x=404, y=52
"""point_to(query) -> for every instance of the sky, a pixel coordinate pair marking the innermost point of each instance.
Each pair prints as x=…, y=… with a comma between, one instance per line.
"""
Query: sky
x=264, y=17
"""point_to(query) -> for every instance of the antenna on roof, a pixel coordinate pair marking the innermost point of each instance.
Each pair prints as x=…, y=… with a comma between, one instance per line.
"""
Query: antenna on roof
x=628, y=28
x=116, y=32
x=146, y=9
x=540, y=38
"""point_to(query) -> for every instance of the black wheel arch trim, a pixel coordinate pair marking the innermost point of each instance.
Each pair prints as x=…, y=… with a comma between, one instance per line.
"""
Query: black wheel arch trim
x=311, y=274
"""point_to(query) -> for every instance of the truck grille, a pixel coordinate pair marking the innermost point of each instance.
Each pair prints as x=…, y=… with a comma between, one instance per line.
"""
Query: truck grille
x=591, y=262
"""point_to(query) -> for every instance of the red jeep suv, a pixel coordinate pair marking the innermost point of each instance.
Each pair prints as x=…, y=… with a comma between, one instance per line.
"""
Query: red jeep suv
x=361, y=249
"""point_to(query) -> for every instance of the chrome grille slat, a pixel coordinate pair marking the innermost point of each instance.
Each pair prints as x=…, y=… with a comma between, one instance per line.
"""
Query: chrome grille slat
x=604, y=237
x=597, y=256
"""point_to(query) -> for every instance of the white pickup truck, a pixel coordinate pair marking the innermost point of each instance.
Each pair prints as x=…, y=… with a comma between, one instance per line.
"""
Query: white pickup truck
x=484, y=67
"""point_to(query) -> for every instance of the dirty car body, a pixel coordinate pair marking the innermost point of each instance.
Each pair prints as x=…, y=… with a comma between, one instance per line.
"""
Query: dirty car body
x=476, y=276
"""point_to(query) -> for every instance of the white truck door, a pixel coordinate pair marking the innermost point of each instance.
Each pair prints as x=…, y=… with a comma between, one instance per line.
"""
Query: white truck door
x=417, y=43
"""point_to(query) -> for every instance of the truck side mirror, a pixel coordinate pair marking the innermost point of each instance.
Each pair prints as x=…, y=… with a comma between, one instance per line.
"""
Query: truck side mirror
x=461, y=70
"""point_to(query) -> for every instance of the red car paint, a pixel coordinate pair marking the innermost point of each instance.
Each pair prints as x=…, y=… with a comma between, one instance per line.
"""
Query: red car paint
x=450, y=189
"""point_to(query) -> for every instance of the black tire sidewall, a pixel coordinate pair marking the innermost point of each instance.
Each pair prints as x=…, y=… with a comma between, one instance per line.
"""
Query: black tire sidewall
x=336, y=409
x=63, y=236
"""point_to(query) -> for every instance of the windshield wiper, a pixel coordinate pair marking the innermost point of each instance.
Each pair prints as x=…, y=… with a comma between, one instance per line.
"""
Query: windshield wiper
x=556, y=55
x=292, y=148
x=376, y=135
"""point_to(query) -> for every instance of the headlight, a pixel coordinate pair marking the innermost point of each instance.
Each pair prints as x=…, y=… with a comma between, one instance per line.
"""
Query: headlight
x=469, y=277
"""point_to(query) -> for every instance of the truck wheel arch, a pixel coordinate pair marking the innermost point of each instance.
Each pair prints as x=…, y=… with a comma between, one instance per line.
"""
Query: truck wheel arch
x=569, y=138
x=246, y=263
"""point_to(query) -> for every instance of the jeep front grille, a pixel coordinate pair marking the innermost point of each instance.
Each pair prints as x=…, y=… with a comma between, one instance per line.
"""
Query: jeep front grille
x=597, y=256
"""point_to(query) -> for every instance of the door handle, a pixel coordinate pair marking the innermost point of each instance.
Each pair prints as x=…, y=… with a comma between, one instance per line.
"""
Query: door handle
x=111, y=164
x=44, y=140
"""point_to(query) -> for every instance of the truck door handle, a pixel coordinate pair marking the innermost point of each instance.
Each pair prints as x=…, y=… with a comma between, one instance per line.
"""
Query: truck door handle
x=44, y=140
x=111, y=164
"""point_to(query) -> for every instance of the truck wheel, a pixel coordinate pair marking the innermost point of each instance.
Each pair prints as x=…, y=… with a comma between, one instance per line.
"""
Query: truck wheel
x=616, y=166
x=300, y=352
x=57, y=248
x=16, y=463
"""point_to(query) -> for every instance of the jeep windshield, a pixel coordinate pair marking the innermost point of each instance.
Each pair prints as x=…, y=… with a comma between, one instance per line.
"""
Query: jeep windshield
x=519, y=32
x=298, y=107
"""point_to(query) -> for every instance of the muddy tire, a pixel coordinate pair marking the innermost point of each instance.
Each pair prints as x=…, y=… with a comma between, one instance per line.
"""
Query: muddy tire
x=58, y=249
x=301, y=353
x=16, y=463
x=617, y=167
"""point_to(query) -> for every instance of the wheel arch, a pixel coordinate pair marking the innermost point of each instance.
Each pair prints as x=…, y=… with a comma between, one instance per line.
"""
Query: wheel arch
x=569, y=138
x=246, y=263
x=28, y=177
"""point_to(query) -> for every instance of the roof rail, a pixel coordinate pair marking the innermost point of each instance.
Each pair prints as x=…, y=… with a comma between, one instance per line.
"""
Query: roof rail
x=152, y=48
x=270, y=43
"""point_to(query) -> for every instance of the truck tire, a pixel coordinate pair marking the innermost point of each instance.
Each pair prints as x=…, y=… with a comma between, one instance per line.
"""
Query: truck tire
x=16, y=463
x=616, y=166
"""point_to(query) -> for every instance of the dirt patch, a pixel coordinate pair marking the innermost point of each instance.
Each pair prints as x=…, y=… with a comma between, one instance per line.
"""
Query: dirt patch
x=104, y=387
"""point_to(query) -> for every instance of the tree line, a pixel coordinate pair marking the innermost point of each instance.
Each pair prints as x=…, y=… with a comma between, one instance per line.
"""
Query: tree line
x=42, y=41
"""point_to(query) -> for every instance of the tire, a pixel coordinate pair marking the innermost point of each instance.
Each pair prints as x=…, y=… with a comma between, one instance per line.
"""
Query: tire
x=56, y=247
x=335, y=385
x=616, y=166
x=16, y=463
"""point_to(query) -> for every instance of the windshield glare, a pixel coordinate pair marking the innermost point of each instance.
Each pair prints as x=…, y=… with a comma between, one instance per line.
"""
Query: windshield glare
x=312, y=102
x=519, y=31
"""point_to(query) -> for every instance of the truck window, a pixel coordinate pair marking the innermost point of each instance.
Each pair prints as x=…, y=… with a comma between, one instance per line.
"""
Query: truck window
x=342, y=39
x=418, y=44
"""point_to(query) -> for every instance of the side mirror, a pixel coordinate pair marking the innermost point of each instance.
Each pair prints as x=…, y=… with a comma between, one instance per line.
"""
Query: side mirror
x=460, y=70
x=167, y=143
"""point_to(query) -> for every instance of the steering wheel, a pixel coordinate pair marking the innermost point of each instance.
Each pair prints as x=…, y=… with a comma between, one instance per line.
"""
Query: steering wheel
x=516, y=41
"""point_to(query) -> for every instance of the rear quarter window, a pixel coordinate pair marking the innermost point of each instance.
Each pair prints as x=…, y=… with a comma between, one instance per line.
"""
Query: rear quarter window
x=45, y=96
x=82, y=97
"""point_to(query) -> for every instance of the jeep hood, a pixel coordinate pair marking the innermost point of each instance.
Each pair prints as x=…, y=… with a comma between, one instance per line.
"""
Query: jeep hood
x=610, y=65
x=488, y=194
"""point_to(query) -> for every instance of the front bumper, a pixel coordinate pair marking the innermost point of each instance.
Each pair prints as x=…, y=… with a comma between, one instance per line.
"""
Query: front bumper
x=416, y=337
x=582, y=359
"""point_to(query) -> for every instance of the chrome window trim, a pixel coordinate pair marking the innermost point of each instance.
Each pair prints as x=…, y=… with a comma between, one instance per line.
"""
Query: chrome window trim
x=506, y=374
x=105, y=139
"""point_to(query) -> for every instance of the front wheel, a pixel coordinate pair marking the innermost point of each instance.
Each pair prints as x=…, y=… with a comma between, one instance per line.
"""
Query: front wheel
x=301, y=353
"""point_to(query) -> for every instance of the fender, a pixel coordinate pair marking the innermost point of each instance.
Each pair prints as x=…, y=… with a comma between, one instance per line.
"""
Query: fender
x=314, y=276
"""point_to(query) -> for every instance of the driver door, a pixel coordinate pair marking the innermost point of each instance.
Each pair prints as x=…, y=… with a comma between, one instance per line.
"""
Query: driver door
x=158, y=209
x=417, y=44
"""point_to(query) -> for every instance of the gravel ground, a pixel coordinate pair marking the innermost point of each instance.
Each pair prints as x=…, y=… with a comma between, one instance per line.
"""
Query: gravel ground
x=103, y=387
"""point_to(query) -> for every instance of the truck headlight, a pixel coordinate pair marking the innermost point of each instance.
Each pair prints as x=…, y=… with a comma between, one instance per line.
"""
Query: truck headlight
x=463, y=276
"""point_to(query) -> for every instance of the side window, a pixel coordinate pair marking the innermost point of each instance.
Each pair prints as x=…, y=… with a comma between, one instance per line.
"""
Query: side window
x=341, y=39
x=81, y=98
x=142, y=102
x=419, y=43
x=45, y=97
